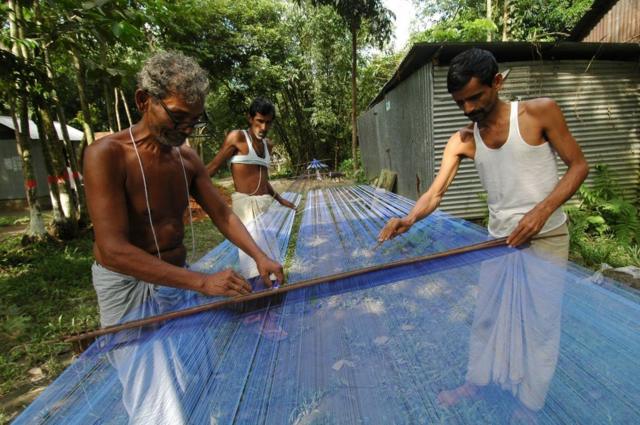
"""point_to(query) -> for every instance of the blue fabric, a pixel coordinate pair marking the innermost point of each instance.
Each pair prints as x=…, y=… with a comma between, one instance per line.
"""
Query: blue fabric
x=493, y=336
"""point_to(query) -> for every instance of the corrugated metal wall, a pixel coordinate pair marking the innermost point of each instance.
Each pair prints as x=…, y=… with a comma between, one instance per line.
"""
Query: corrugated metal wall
x=601, y=105
x=11, y=178
x=394, y=134
x=369, y=140
x=621, y=24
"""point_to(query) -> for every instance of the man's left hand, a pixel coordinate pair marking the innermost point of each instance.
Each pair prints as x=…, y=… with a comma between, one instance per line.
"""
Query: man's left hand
x=266, y=266
x=528, y=227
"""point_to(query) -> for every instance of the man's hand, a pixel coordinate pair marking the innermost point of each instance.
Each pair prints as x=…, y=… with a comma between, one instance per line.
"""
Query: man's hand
x=226, y=282
x=266, y=266
x=528, y=227
x=393, y=228
x=286, y=203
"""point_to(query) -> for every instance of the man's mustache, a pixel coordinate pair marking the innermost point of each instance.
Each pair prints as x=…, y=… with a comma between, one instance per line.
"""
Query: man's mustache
x=475, y=115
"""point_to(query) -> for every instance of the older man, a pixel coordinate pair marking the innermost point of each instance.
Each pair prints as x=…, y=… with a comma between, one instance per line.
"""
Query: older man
x=138, y=183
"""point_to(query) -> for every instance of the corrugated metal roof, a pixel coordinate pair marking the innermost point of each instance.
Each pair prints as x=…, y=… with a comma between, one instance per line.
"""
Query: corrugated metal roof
x=74, y=133
x=598, y=9
x=620, y=24
x=442, y=53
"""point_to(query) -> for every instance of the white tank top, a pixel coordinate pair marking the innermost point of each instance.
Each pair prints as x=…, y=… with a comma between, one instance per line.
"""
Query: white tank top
x=516, y=176
x=252, y=157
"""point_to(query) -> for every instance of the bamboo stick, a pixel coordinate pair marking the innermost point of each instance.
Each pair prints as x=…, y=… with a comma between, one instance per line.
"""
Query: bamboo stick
x=281, y=290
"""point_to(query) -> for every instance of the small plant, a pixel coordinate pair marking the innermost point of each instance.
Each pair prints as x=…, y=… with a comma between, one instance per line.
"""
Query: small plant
x=604, y=227
x=358, y=175
x=485, y=208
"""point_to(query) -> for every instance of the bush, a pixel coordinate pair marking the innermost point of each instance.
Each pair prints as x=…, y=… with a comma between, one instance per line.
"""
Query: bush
x=358, y=175
x=604, y=227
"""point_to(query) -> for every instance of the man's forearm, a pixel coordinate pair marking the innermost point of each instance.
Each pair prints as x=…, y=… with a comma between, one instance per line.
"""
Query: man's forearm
x=566, y=187
x=212, y=168
x=133, y=261
x=425, y=205
x=272, y=191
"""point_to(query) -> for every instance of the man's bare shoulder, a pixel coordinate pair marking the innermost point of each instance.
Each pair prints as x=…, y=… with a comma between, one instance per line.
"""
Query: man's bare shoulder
x=106, y=157
x=235, y=137
x=540, y=107
x=461, y=143
x=107, y=146
x=465, y=134
x=190, y=154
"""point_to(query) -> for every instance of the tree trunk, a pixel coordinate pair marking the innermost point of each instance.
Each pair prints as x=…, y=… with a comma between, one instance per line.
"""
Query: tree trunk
x=71, y=154
x=284, y=138
x=22, y=48
x=81, y=84
x=282, y=133
x=296, y=110
x=354, y=96
x=505, y=20
x=116, y=108
x=108, y=103
x=489, y=18
x=36, y=222
x=60, y=173
x=58, y=215
x=126, y=107
x=20, y=118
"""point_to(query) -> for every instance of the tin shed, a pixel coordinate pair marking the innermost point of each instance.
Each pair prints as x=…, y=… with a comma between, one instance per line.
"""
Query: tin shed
x=407, y=125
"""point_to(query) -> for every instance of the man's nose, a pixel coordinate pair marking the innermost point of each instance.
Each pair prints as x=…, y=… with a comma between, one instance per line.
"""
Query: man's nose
x=467, y=108
x=187, y=131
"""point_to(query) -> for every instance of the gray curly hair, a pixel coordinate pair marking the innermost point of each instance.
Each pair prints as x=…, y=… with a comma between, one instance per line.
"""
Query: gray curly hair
x=168, y=73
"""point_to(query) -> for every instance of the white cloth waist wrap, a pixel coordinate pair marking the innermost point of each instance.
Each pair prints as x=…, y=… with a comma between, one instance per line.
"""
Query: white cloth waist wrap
x=517, y=176
x=250, y=209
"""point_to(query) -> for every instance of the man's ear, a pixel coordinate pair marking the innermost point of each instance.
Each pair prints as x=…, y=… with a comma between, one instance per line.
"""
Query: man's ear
x=142, y=99
x=498, y=81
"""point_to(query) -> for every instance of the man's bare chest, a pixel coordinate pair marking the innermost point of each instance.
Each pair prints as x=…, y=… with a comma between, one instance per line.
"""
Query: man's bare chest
x=160, y=184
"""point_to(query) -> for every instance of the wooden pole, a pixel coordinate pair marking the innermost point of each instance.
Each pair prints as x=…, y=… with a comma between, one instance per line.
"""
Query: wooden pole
x=281, y=290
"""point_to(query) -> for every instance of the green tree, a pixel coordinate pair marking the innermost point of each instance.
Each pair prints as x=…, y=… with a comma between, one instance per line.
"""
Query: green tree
x=41, y=34
x=479, y=20
x=358, y=14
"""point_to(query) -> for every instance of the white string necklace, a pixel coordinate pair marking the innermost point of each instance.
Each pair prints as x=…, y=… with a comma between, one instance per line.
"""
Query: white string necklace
x=146, y=198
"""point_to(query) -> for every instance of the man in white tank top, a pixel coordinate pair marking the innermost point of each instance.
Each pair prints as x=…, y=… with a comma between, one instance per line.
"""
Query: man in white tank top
x=248, y=153
x=513, y=146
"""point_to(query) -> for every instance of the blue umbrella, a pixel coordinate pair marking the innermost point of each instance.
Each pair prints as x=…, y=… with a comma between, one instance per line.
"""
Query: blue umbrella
x=316, y=165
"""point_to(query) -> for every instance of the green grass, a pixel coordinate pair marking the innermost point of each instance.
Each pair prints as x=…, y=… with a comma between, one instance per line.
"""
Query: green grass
x=46, y=294
x=207, y=237
x=592, y=251
x=293, y=238
x=13, y=220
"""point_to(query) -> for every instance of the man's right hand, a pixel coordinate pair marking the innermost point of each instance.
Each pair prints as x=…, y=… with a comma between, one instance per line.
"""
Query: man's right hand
x=227, y=283
x=393, y=228
x=287, y=204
